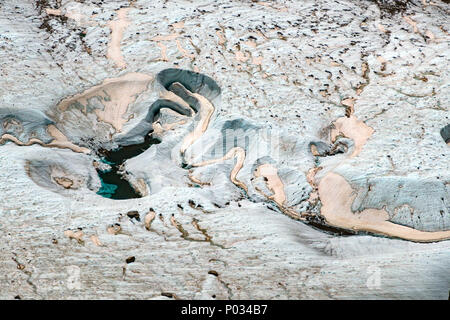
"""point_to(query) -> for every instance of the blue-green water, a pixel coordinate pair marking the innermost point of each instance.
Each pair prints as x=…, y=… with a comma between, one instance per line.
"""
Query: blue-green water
x=107, y=190
x=114, y=186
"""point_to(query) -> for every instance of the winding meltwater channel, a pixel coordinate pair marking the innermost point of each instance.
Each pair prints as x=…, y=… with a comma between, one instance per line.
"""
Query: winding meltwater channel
x=179, y=93
x=87, y=122
x=91, y=123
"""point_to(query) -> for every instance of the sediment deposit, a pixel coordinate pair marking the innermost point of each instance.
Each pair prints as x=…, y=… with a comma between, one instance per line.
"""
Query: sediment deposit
x=271, y=150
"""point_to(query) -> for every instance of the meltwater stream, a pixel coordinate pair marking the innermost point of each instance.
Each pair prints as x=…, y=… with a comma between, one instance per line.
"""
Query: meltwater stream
x=114, y=185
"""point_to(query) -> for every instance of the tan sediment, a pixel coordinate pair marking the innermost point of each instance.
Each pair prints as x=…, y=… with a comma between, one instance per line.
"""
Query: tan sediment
x=157, y=128
x=66, y=183
x=273, y=182
x=364, y=68
x=96, y=241
x=412, y=23
x=431, y=3
x=169, y=37
x=237, y=153
x=257, y=61
x=149, y=217
x=430, y=35
x=196, y=180
x=76, y=235
x=96, y=164
x=337, y=197
x=169, y=95
x=114, y=229
x=335, y=64
x=365, y=74
x=241, y=57
x=314, y=151
x=116, y=94
x=383, y=62
x=139, y=186
x=221, y=37
x=7, y=124
x=250, y=43
x=7, y=137
x=170, y=126
x=311, y=178
x=354, y=129
x=160, y=129
x=276, y=185
x=382, y=28
x=349, y=103
x=176, y=224
x=60, y=141
x=117, y=28
x=183, y=51
x=381, y=59
x=163, y=52
x=53, y=12
x=206, y=111
x=270, y=5
x=178, y=25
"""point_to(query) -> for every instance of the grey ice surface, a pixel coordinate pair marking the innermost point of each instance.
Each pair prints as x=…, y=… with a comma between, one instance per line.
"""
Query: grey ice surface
x=277, y=73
